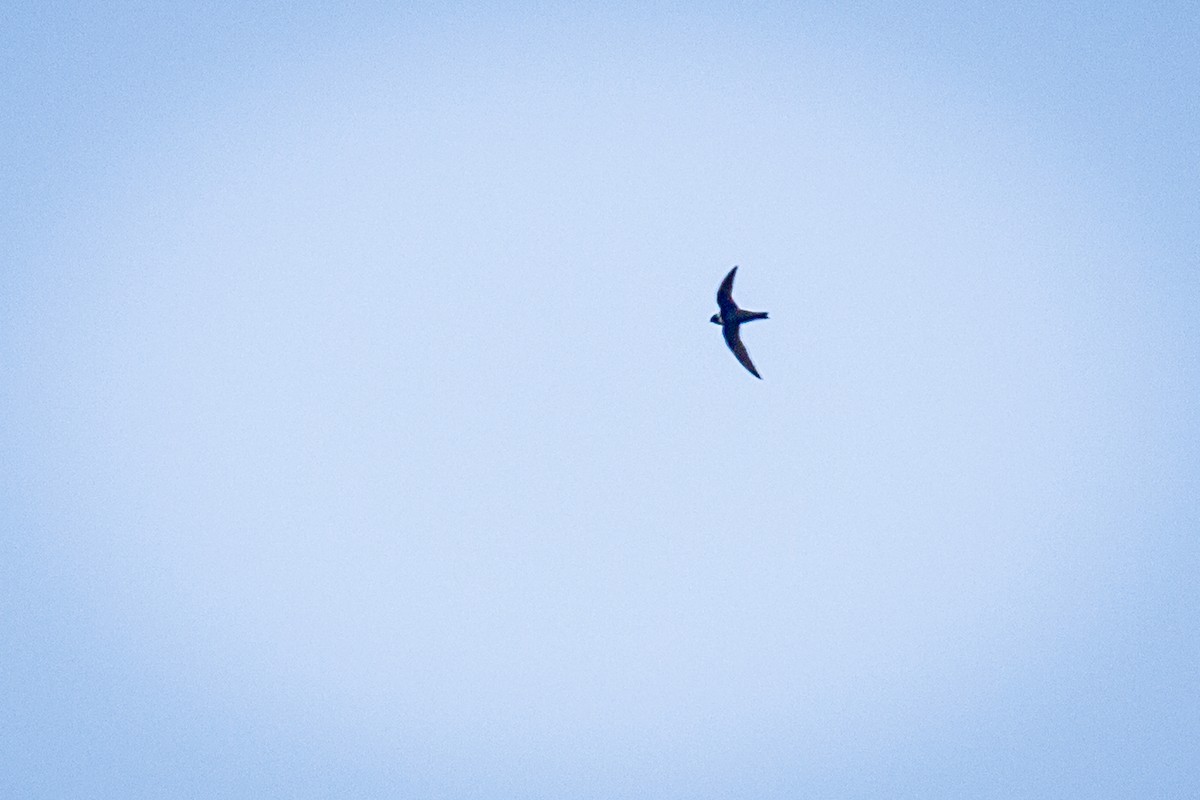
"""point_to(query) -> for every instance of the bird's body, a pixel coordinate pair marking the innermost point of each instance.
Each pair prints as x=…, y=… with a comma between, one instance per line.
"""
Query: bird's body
x=730, y=318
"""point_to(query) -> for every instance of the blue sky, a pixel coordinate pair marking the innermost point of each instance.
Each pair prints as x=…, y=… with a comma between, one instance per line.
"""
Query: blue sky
x=365, y=435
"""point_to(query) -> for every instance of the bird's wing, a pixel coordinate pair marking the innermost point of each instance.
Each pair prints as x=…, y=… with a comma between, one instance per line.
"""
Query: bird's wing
x=725, y=294
x=734, y=340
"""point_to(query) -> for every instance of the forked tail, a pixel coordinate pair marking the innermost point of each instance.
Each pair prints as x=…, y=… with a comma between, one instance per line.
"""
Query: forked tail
x=747, y=316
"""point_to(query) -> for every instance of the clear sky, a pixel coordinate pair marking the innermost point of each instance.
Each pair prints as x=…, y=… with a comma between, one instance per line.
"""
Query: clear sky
x=364, y=433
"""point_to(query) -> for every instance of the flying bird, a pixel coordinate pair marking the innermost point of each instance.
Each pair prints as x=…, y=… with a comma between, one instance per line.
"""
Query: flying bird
x=730, y=318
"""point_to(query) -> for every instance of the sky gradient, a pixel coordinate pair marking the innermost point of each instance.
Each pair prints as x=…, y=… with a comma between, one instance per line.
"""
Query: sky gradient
x=364, y=432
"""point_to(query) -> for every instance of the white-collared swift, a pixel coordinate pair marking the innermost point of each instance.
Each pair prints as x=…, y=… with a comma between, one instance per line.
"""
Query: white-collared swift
x=730, y=318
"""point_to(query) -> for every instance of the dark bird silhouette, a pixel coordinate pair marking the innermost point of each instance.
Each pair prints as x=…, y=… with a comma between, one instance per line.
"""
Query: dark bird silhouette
x=730, y=318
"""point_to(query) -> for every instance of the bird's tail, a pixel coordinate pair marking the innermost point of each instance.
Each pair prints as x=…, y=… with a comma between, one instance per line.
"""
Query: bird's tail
x=747, y=316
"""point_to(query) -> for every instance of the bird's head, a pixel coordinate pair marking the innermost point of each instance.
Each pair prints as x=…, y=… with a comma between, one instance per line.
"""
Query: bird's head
x=715, y=319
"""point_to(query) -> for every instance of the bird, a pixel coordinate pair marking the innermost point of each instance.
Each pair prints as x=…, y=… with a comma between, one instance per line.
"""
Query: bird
x=730, y=318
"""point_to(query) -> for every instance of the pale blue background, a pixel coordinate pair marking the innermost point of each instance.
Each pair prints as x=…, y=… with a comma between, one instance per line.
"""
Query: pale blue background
x=364, y=434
